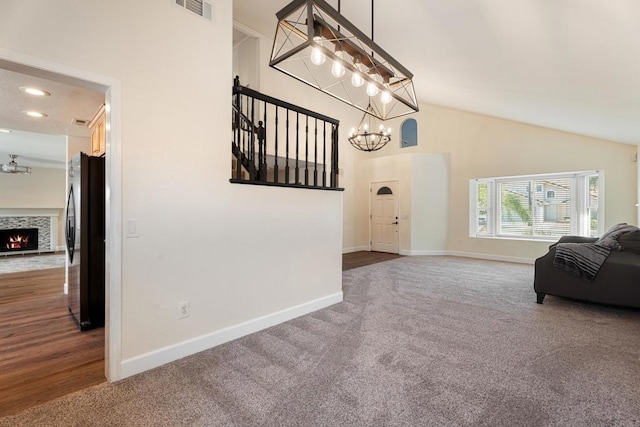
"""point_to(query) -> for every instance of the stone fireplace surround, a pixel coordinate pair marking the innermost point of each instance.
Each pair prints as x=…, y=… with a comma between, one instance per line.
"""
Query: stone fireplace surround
x=45, y=220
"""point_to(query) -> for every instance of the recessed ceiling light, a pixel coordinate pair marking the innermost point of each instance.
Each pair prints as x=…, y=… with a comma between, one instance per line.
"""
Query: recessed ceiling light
x=35, y=114
x=5, y=131
x=34, y=91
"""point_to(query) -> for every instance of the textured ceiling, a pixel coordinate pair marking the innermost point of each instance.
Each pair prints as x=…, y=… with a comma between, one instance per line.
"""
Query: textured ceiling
x=572, y=65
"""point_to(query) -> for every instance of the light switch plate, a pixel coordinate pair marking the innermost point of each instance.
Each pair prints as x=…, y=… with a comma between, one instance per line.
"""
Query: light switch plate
x=132, y=228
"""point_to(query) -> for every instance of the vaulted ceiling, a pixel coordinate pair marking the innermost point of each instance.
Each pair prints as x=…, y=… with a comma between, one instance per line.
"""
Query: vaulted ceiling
x=572, y=65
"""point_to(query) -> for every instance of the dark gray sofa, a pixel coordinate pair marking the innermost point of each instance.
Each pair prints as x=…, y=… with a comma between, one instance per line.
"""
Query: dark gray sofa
x=617, y=282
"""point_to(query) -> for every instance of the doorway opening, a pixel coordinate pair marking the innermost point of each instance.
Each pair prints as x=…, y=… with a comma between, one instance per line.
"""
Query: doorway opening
x=52, y=282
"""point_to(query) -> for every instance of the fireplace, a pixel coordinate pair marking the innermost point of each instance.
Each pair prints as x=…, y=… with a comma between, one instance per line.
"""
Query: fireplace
x=19, y=239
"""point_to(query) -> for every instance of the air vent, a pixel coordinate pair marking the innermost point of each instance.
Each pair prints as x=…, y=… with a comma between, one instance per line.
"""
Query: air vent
x=199, y=7
x=79, y=122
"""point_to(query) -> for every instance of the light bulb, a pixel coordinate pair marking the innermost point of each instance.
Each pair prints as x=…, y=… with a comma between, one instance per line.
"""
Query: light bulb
x=381, y=127
x=357, y=80
x=372, y=89
x=385, y=97
x=337, y=69
x=366, y=127
x=317, y=57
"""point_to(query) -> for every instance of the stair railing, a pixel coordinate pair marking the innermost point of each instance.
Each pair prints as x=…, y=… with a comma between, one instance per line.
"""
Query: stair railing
x=290, y=146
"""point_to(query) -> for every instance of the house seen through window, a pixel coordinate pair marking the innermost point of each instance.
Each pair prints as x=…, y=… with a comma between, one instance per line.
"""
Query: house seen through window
x=559, y=205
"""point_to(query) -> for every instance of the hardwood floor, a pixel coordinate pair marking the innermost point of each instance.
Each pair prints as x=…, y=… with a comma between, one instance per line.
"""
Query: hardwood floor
x=43, y=355
x=362, y=258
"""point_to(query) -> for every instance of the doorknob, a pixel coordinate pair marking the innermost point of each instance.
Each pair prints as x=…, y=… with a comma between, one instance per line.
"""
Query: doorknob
x=394, y=223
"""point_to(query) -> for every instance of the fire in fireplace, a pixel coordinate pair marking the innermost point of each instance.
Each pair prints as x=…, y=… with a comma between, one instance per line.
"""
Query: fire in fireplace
x=19, y=239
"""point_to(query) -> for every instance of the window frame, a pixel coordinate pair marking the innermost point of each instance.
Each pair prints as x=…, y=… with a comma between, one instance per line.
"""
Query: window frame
x=580, y=210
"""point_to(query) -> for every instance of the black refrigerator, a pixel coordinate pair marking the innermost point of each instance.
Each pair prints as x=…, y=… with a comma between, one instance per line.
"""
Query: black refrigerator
x=85, y=235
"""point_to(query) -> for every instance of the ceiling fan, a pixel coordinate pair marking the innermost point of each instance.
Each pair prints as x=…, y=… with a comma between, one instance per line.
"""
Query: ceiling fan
x=13, y=167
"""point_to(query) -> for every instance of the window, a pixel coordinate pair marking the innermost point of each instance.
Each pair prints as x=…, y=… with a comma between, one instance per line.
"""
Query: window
x=409, y=133
x=561, y=204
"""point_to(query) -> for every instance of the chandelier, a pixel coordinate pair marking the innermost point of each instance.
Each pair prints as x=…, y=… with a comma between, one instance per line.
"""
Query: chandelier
x=13, y=167
x=315, y=44
x=371, y=135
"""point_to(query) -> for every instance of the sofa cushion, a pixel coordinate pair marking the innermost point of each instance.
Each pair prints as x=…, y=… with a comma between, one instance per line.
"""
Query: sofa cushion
x=630, y=241
x=611, y=236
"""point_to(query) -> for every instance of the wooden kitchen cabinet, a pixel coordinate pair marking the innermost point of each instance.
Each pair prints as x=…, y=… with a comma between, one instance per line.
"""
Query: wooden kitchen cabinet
x=98, y=133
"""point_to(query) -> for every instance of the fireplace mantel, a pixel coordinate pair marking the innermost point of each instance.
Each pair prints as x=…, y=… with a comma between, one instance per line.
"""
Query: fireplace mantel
x=29, y=212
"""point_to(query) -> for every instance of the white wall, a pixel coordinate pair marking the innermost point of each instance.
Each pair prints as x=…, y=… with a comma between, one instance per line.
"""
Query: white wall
x=77, y=144
x=478, y=146
x=279, y=85
x=233, y=251
x=423, y=198
x=43, y=188
x=482, y=146
x=429, y=203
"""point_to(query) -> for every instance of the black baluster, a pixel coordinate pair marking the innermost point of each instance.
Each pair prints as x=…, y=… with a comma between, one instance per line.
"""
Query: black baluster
x=275, y=164
x=238, y=125
x=324, y=154
x=334, y=156
x=306, y=151
x=286, y=167
x=315, y=155
x=252, y=141
x=243, y=136
x=263, y=164
x=297, y=174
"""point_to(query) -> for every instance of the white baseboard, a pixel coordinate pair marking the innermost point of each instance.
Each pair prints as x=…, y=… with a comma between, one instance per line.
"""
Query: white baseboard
x=144, y=362
x=492, y=257
x=417, y=253
x=489, y=257
x=355, y=249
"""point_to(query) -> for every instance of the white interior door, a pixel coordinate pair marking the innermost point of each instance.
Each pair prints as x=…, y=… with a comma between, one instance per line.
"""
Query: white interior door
x=384, y=217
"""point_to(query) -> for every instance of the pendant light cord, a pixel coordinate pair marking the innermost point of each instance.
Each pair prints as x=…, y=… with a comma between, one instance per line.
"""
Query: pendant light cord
x=371, y=20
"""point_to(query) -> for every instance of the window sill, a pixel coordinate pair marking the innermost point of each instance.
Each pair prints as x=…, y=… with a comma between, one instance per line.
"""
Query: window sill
x=524, y=239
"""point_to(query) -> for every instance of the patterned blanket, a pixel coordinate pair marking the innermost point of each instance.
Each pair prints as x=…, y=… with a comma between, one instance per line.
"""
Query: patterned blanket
x=585, y=259
x=581, y=259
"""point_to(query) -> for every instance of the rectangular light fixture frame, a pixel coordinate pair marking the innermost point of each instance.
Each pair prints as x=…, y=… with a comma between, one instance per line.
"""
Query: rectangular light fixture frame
x=305, y=25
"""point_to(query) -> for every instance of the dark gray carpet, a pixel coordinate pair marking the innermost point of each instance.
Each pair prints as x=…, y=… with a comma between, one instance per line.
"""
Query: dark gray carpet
x=419, y=341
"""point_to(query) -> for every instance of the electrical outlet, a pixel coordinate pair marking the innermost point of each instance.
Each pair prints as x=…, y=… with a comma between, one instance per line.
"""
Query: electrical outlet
x=183, y=309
